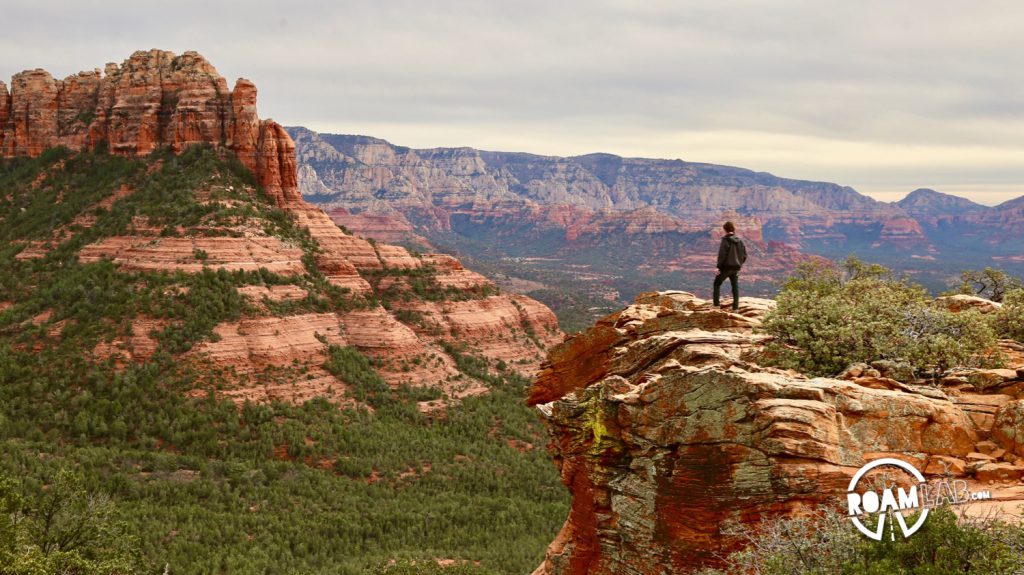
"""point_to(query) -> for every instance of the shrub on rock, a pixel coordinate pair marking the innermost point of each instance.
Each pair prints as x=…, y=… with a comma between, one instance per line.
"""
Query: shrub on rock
x=825, y=542
x=828, y=319
x=1008, y=321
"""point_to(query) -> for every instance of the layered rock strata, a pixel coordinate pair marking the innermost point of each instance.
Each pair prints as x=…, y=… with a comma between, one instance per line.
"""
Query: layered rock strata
x=154, y=98
x=665, y=428
x=655, y=214
x=582, y=196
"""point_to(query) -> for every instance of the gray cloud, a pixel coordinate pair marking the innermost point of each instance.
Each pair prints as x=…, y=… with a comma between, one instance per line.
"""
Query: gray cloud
x=884, y=96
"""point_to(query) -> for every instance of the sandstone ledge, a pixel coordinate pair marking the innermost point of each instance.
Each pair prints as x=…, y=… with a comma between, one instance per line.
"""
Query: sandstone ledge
x=664, y=427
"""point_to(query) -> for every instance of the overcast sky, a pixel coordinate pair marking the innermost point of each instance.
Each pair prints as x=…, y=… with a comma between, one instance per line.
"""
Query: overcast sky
x=885, y=96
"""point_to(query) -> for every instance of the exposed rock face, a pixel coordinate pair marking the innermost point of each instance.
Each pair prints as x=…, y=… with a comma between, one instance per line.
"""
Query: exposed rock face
x=246, y=253
x=390, y=228
x=257, y=342
x=158, y=99
x=656, y=214
x=1002, y=222
x=371, y=174
x=664, y=426
x=5, y=114
x=1008, y=428
x=961, y=302
x=152, y=99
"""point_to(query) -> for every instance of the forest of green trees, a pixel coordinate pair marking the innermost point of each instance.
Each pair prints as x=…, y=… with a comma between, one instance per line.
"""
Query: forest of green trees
x=200, y=485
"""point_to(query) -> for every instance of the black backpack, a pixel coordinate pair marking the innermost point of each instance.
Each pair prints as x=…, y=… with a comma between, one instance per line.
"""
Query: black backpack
x=741, y=252
x=736, y=254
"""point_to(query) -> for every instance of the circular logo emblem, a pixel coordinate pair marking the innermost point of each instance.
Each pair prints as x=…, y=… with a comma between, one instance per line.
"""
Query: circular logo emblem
x=889, y=503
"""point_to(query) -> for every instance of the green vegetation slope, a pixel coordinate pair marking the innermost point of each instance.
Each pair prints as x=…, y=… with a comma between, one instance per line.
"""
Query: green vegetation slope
x=204, y=484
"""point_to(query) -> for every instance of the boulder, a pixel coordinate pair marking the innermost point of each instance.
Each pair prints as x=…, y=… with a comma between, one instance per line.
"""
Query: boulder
x=1008, y=427
x=854, y=371
x=964, y=302
x=997, y=471
x=898, y=370
x=985, y=379
x=944, y=464
x=986, y=447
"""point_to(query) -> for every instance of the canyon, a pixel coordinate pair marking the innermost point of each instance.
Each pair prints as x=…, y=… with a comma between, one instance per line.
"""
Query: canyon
x=537, y=215
x=128, y=223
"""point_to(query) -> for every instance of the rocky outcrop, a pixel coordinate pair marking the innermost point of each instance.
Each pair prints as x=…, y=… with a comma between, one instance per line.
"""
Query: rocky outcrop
x=665, y=427
x=256, y=343
x=902, y=231
x=392, y=228
x=152, y=99
x=5, y=115
x=1008, y=427
x=275, y=351
x=250, y=253
x=962, y=302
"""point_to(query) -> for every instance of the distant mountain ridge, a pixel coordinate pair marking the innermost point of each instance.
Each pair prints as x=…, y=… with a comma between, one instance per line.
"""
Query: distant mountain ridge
x=351, y=169
x=513, y=204
x=928, y=202
x=609, y=170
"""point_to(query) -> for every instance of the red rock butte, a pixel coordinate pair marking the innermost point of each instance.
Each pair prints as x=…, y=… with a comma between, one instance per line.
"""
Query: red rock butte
x=154, y=98
x=157, y=99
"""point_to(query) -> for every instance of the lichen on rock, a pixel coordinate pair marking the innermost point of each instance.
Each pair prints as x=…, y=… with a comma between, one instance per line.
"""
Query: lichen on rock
x=666, y=427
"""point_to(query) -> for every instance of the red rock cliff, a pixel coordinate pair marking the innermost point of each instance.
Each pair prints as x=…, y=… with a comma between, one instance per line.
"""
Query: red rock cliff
x=665, y=428
x=152, y=99
x=158, y=99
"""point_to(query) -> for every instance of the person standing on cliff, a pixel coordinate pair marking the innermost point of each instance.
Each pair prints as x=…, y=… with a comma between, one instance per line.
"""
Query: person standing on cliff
x=731, y=255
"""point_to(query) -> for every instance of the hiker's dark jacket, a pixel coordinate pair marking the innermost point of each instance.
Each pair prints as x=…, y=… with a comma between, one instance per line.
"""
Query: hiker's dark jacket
x=732, y=253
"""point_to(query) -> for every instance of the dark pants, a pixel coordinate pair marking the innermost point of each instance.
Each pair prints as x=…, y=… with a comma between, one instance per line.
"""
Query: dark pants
x=732, y=274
